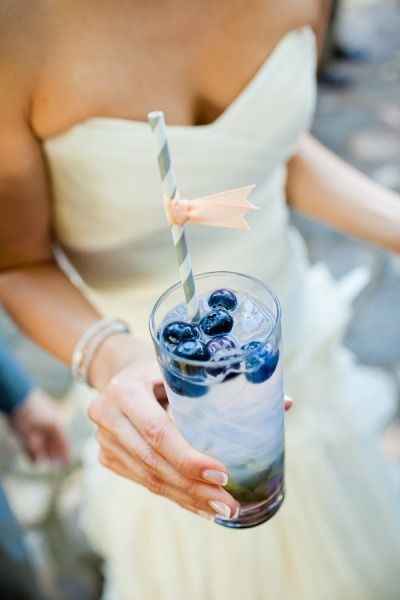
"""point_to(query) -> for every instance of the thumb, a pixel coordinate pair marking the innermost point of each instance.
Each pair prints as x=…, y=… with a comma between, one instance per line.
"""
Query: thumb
x=57, y=445
x=160, y=393
x=288, y=403
x=34, y=446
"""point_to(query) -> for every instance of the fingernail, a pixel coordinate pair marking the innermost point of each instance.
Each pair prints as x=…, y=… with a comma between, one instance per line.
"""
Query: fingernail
x=236, y=514
x=218, y=477
x=220, y=508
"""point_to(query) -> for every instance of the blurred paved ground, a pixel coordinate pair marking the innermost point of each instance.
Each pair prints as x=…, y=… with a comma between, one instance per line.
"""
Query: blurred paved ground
x=363, y=126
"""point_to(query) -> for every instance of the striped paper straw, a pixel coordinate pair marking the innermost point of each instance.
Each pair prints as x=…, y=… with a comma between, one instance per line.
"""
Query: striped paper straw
x=157, y=124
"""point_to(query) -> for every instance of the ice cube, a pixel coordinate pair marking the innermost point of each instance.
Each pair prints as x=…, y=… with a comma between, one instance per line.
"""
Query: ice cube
x=250, y=321
x=179, y=313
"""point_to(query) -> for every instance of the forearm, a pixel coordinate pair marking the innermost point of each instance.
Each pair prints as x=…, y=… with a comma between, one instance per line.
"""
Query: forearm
x=54, y=314
x=325, y=188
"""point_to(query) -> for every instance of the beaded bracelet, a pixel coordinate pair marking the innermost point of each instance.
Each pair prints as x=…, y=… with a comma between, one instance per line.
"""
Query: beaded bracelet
x=90, y=342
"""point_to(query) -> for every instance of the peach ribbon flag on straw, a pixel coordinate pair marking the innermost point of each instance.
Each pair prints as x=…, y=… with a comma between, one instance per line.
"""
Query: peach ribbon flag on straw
x=225, y=209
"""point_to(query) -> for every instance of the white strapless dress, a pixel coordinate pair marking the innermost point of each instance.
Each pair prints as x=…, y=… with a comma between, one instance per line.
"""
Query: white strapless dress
x=337, y=537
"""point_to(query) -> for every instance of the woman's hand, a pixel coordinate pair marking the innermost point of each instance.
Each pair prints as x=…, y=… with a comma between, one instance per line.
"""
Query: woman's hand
x=139, y=441
x=37, y=425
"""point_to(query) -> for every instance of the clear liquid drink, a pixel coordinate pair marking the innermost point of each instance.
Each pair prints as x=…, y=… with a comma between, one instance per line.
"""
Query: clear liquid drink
x=223, y=376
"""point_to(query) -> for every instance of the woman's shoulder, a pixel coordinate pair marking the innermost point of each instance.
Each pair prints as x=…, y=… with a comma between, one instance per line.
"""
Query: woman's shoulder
x=22, y=49
x=22, y=28
x=302, y=13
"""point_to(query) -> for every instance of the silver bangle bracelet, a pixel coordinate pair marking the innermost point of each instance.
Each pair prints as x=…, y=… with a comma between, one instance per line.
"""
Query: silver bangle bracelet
x=90, y=342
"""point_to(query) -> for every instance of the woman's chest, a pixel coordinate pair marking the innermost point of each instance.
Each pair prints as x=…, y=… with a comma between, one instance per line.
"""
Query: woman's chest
x=119, y=63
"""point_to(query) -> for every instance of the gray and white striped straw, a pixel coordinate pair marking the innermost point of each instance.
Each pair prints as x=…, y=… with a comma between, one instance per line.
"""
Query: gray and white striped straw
x=157, y=124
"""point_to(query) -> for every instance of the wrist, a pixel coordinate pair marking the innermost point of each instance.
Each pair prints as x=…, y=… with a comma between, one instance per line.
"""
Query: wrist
x=115, y=353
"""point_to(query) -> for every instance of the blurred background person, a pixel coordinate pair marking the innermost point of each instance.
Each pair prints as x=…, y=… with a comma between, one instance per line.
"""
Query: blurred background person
x=331, y=48
x=35, y=422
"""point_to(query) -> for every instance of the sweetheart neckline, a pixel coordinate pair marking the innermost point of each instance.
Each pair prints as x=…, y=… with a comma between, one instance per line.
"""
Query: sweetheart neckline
x=227, y=113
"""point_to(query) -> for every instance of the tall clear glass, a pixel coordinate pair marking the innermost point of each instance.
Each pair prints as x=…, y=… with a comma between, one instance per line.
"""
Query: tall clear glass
x=232, y=408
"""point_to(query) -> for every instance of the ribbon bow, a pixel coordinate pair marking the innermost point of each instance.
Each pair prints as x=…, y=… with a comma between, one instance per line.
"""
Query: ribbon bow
x=226, y=209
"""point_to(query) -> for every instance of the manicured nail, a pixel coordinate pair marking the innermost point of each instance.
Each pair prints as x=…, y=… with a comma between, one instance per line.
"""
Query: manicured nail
x=236, y=514
x=218, y=477
x=220, y=508
x=288, y=402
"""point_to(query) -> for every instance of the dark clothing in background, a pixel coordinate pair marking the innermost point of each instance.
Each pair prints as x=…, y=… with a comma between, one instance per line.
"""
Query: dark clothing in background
x=15, y=384
x=17, y=578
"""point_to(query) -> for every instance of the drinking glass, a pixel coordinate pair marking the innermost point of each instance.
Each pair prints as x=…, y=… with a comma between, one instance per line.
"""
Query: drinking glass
x=232, y=407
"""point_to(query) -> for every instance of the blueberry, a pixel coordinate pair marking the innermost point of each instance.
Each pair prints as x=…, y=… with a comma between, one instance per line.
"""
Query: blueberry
x=223, y=299
x=191, y=382
x=193, y=350
x=262, y=362
x=179, y=331
x=216, y=322
x=182, y=386
x=220, y=348
x=221, y=344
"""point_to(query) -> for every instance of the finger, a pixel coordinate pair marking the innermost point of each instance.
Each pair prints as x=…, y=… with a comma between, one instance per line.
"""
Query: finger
x=197, y=497
x=103, y=413
x=57, y=446
x=157, y=429
x=288, y=403
x=35, y=447
x=120, y=469
x=129, y=446
x=142, y=455
x=160, y=393
x=30, y=452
